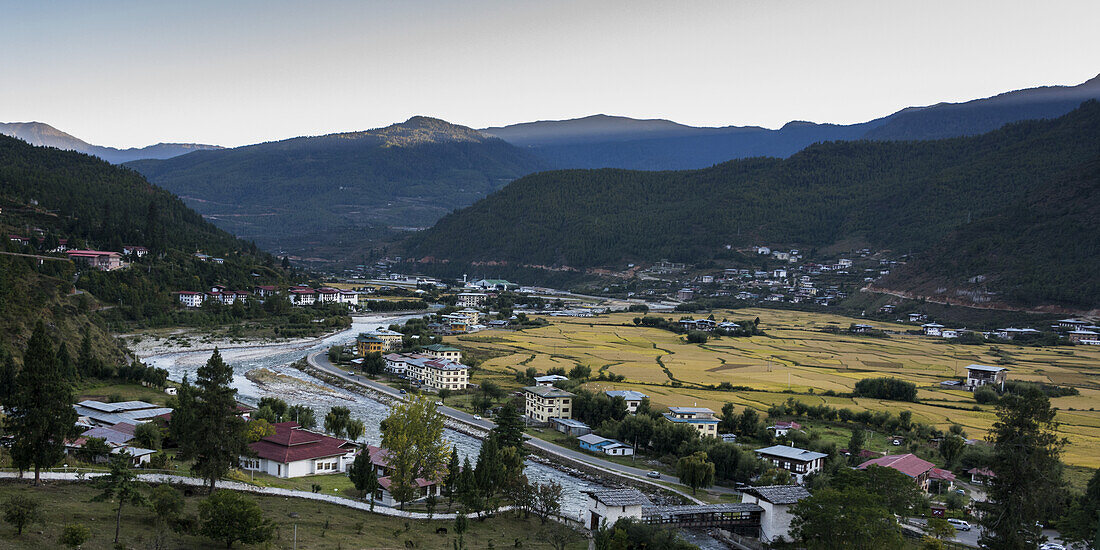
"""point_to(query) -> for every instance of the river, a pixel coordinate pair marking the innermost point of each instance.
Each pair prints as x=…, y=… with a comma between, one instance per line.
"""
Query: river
x=278, y=357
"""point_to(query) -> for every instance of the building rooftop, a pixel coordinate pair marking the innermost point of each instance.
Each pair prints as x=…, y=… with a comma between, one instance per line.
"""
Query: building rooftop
x=551, y=378
x=779, y=494
x=654, y=512
x=440, y=347
x=570, y=422
x=547, y=391
x=985, y=368
x=793, y=453
x=627, y=395
x=691, y=410
x=619, y=497
x=908, y=464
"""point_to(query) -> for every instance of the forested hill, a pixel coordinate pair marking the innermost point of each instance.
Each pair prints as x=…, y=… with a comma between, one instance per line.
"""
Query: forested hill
x=905, y=196
x=602, y=141
x=311, y=193
x=47, y=194
x=38, y=133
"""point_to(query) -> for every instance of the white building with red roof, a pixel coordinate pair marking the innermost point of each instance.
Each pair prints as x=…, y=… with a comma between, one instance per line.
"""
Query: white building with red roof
x=379, y=459
x=191, y=299
x=327, y=295
x=295, y=452
x=922, y=471
x=302, y=296
x=98, y=259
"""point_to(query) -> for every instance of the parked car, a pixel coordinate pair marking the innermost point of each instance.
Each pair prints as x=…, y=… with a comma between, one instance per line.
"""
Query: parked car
x=439, y=403
x=654, y=474
x=402, y=392
x=959, y=524
x=351, y=373
x=477, y=417
x=1052, y=546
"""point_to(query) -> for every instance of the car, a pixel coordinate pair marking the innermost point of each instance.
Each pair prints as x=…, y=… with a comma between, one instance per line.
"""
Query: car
x=959, y=524
x=438, y=403
x=960, y=491
x=477, y=417
x=654, y=474
x=403, y=392
x=1052, y=546
x=351, y=373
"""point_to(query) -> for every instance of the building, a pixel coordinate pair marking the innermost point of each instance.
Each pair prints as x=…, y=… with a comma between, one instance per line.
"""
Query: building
x=932, y=329
x=799, y=462
x=633, y=398
x=546, y=402
x=549, y=379
x=455, y=322
x=782, y=427
x=685, y=294
x=980, y=476
x=700, y=418
x=495, y=284
x=568, y=426
x=294, y=452
x=349, y=297
x=116, y=435
x=606, y=506
x=597, y=444
x=443, y=351
x=327, y=295
x=397, y=364
x=137, y=251
x=776, y=500
x=441, y=374
x=471, y=299
x=97, y=413
x=365, y=344
x=924, y=473
x=471, y=315
x=1014, y=333
x=97, y=259
x=980, y=375
x=264, y=291
x=1083, y=336
x=380, y=463
x=190, y=299
x=391, y=339
x=302, y=296
x=1072, y=324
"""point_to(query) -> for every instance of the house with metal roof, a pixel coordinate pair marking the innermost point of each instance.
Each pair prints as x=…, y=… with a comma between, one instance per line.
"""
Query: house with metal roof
x=980, y=375
x=293, y=452
x=543, y=403
x=776, y=501
x=596, y=444
x=569, y=426
x=799, y=462
x=923, y=472
x=700, y=418
x=633, y=398
x=97, y=413
x=549, y=379
x=606, y=506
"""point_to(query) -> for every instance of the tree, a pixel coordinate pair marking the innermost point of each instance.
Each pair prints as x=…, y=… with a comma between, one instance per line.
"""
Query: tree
x=413, y=437
x=951, y=448
x=895, y=490
x=148, y=436
x=354, y=429
x=303, y=415
x=749, y=423
x=230, y=517
x=509, y=428
x=695, y=471
x=217, y=437
x=985, y=395
x=278, y=407
x=258, y=428
x=444, y=394
x=940, y=529
x=1081, y=523
x=580, y=372
x=855, y=446
x=429, y=504
x=40, y=407
x=21, y=511
x=547, y=500
x=831, y=519
x=93, y=448
x=336, y=421
x=361, y=472
x=74, y=535
x=1028, y=472
x=166, y=502
x=373, y=363
x=121, y=483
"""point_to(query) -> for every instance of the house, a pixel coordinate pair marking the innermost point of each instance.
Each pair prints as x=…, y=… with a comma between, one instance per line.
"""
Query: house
x=349, y=297
x=97, y=259
x=597, y=444
x=728, y=438
x=115, y=435
x=471, y=315
x=568, y=426
x=19, y=240
x=443, y=351
x=546, y=402
x=799, y=462
x=980, y=476
x=950, y=333
x=776, y=500
x=441, y=374
x=917, y=317
x=368, y=344
x=455, y=322
x=782, y=427
x=327, y=295
x=137, y=251
x=980, y=375
x=606, y=506
x=396, y=364
x=924, y=473
x=932, y=329
x=1072, y=324
x=685, y=294
x=391, y=339
x=1082, y=336
x=109, y=414
x=779, y=273
x=701, y=418
x=707, y=279
x=138, y=456
x=380, y=463
x=190, y=299
x=302, y=296
x=264, y=291
x=294, y=452
x=860, y=328
x=1014, y=333
x=471, y=299
x=633, y=398
x=549, y=379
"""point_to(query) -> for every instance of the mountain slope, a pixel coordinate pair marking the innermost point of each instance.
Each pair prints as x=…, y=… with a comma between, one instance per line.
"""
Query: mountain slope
x=37, y=133
x=602, y=141
x=299, y=193
x=900, y=195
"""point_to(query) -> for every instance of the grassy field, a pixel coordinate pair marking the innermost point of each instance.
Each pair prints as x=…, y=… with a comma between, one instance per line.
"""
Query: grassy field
x=320, y=526
x=795, y=354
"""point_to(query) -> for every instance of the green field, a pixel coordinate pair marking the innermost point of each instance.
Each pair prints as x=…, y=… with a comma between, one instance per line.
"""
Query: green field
x=796, y=354
x=64, y=503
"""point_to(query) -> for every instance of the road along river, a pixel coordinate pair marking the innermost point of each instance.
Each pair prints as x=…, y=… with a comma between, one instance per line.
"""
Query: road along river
x=302, y=388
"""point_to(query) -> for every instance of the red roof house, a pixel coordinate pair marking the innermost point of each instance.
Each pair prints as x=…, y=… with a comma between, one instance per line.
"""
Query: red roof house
x=293, y=451
x=913, y=466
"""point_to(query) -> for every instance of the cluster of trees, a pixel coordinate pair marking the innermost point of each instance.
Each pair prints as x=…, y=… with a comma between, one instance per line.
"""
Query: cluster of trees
x=749, y=327
x=339, y=423
x=989, y=394
x=273, y=410
x=894, y=389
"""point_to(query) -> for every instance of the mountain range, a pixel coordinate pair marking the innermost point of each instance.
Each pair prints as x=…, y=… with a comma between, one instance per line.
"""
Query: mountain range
x=38, y=133
x=603, y=141
x=325, y=195
x=1003, y=208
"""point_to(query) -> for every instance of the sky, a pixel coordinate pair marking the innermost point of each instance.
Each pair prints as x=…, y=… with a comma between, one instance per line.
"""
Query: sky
x=231, y=73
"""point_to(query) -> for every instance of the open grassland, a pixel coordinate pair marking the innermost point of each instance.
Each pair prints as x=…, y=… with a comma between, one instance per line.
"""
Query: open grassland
x=319, y=525
x=796, y=354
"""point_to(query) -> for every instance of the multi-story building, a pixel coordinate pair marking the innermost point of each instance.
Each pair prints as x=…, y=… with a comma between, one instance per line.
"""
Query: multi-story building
x=799, y=462
x=190, y=299
x=700, y=418
x=440, y=374
x=471, y=299
x=443, y=351
x=365, y=344
x=980, y=375
x=302, y=296
x=546, y=402
x=632, y=398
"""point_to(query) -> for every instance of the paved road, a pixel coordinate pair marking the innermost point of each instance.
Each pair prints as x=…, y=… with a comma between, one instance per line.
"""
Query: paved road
x=970, y=538
x=320, y=360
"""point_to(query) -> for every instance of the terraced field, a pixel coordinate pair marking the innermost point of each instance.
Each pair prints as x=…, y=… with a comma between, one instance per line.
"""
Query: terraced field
x=796, y=354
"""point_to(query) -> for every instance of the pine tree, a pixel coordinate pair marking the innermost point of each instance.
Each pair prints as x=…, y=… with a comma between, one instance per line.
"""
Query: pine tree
x=509, y=428
x=216, y=438
x=453, y=472
x=40, y=408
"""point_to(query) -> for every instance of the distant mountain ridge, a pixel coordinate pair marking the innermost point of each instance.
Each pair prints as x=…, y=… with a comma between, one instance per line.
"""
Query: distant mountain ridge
x=602, y=141
x=900, y=195
x=42, y=134
x=327, y=194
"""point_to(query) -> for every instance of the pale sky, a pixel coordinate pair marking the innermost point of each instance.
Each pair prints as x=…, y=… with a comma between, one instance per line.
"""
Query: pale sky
x=236, y=72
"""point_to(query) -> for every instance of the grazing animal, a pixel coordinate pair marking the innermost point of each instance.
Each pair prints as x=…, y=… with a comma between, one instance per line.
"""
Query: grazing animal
x=441, y=531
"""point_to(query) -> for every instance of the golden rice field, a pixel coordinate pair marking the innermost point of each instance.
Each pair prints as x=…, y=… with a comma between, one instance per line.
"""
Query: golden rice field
x=795, y=354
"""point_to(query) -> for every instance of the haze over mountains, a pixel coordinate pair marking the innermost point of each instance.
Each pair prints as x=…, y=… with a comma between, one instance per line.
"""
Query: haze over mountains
x=38, y=133
x=602, y=141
